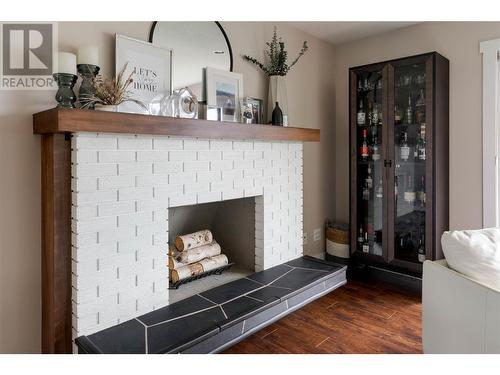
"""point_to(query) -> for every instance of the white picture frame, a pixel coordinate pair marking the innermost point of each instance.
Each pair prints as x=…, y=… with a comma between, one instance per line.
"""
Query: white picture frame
x=153, y=70
x=224, y=89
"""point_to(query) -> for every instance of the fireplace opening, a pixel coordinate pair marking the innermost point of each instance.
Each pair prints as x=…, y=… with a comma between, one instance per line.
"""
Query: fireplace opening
x=232, y=224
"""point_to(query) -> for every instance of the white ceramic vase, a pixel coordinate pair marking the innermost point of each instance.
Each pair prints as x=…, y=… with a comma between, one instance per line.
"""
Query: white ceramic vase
x=277, y=93
x=106, y=108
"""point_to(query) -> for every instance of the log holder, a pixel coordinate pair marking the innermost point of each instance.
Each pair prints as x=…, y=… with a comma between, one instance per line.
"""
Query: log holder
x=215, y=271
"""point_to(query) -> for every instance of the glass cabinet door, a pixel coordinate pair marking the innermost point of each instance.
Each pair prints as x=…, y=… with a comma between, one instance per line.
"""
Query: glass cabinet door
x=409, y=153
x=369, y=169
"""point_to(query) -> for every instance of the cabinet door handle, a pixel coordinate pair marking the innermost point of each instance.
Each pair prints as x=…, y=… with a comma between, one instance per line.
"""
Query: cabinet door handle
x=388, y=163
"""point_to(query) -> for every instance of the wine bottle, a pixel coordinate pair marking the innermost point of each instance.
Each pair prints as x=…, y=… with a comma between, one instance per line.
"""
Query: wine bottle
x=366, y=244
x=379, y=190
x=404, y=149
x=420, y=102
x=369, y=114
x=366, y=192
x=409, y=195
x=369, y=179
x=363, y=150
x=409, y=111
x=397, y=115
x=396, y=190
x=375, y=150
x=421, y=193
x=360, y=238
x=421, y=249
x=361, y=117
x=421, y=143
x=375, y=114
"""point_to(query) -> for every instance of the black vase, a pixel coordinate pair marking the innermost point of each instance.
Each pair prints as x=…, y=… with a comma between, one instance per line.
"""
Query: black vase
x=277, y=116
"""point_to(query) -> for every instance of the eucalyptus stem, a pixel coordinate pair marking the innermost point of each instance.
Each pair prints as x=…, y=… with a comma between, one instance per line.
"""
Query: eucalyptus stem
x=277, y=56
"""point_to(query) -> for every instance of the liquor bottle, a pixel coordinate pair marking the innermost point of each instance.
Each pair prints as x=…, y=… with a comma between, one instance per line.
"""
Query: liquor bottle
x=415, y=150
x=366, y=244
x=396, y=190
x=369, y=114
x=409, y=195
x=375, y=114
x=366, y=85
x=401, y=242
x=409, y=111
x=421, y=143
x=420, y=102
x=421, y=193
x=361, y=114
x=421, y=249
x=366, y=192
x=379, y=190
x=360, y=85
x=360, y=238
x=397, y=115
x=369, y=179
x=363, y=150
x=375, y=150
x=404, y=149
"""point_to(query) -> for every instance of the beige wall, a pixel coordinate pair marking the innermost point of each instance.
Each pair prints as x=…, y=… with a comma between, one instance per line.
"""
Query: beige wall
x=310, y=95
x=459, y=42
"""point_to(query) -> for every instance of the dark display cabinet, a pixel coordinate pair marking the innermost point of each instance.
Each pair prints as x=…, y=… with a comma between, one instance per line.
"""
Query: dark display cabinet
x=399, y=161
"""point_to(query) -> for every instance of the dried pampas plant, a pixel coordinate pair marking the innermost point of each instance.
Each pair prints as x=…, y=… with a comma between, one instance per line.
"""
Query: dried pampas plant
x=111, y=91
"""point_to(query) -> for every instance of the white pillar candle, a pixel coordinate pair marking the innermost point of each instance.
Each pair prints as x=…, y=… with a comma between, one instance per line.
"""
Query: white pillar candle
x=67, y=63
x=88, y=55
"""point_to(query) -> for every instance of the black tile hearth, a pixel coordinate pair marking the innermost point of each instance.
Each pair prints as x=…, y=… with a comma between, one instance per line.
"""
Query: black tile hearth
x=217, y=318
x=231, y=290
x=240, y=308
x=175, y=310
x=299, y=278
x=312, y=263
x=185, y=332
x=125, y=338
x=268, y=276
x=270, y=293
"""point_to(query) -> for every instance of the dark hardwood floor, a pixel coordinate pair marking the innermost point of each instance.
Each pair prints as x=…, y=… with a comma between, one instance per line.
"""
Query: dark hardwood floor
x=356, y=318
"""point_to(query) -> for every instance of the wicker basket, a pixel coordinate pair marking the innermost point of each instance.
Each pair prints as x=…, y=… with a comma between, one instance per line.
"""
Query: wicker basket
x=338, y=235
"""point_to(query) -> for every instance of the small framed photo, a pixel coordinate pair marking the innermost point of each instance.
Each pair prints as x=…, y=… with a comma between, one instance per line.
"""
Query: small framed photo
x=224, y=89
x=258, y=110
x=152, y=68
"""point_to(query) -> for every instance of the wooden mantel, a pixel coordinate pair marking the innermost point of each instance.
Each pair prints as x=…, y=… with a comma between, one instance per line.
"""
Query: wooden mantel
x=80, y=120
x=55, y=125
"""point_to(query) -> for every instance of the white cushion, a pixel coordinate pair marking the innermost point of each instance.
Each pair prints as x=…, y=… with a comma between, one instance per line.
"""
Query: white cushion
x=474, y=253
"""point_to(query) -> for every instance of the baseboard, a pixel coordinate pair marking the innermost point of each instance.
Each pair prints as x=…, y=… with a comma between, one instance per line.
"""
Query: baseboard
x=367, y=273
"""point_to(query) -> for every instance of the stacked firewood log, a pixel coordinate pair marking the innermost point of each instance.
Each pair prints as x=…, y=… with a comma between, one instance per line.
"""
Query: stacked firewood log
x=193, y=254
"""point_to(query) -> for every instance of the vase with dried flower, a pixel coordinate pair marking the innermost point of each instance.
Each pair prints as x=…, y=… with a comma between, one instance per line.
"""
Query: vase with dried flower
x=109, y=93
x=277, y=68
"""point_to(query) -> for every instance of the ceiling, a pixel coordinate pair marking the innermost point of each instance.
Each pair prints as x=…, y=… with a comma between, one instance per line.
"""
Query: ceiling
x=342, y=32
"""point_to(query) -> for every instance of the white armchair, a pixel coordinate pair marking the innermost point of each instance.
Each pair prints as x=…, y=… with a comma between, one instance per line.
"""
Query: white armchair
x=459, y=315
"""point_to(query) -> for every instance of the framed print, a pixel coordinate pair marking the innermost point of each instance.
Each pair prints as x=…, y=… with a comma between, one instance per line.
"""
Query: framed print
x=224, y=89
x=152, y=68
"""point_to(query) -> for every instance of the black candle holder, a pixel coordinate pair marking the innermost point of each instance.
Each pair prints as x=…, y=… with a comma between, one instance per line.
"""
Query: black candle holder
x=88, y=72
x=65, y=95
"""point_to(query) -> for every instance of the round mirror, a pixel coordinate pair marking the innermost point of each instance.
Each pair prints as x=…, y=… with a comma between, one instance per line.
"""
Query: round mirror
x=195, y=46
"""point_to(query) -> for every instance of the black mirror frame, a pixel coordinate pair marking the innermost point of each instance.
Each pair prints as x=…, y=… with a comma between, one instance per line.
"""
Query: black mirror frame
x=151, y=33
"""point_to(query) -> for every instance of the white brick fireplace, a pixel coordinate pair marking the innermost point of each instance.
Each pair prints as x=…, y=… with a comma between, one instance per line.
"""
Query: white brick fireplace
x=123, y=186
